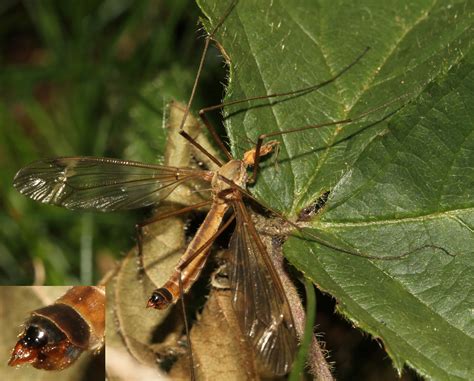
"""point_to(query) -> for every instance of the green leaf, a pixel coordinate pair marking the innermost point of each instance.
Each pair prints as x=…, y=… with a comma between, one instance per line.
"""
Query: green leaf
x=399, y=179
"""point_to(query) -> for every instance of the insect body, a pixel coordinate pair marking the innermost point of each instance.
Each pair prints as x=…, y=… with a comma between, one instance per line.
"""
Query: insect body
x=264, y=313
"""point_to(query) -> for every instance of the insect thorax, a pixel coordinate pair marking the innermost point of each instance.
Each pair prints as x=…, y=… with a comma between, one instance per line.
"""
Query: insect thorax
x=234, y=171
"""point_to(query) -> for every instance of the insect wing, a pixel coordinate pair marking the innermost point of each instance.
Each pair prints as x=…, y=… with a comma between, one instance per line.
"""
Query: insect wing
x=99, y=183
x=258, y=297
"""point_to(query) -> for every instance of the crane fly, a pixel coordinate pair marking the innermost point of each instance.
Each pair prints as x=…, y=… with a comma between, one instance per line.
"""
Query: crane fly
x=108, y=184
x=56, y=335
x=257, y=292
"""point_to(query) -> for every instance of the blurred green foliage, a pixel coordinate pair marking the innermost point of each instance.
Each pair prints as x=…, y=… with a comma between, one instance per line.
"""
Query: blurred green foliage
x=86, y=78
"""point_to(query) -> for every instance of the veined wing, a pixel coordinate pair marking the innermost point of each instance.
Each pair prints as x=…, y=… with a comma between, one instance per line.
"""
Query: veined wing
x=100, y=183
x=258, y=297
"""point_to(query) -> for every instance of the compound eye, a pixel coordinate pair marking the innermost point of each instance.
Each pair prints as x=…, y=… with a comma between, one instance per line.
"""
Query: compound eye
x=156, y=298
x=35, y=337
x=160, y=299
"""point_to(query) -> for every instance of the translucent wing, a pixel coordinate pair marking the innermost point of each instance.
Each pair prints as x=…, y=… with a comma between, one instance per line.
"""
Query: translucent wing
x=99, y=183
x=258, y=297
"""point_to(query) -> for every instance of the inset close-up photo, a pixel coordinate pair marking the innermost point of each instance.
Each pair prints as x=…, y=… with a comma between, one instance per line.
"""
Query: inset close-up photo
x=52, y=331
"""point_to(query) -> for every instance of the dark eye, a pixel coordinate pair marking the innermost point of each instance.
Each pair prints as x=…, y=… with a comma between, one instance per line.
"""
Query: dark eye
x=35, y=337
x=160, y=299
x=156, y=298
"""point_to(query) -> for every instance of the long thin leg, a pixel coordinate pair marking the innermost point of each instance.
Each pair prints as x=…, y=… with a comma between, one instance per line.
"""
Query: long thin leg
x=191, y=140
x=203, y=111
x=196, y=81
x=323, y=242
x=212, y=130
x=289, y=93
x=186, y=328
x=207, y=244
x=141, y=225
x=262, y=137
x=214, y=134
